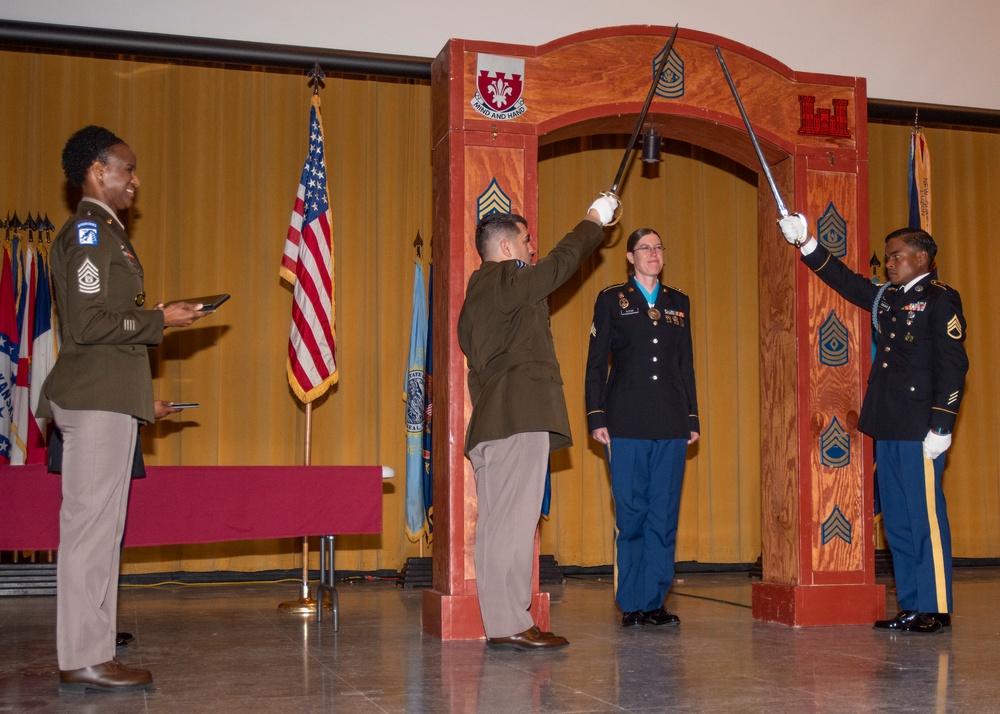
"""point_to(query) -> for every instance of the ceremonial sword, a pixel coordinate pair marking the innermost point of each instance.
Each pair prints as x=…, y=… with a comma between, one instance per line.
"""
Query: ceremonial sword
x=753, y=137
x=642, y=115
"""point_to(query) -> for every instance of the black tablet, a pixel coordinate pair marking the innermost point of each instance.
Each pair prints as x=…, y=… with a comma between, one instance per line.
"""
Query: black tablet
x=209, y=302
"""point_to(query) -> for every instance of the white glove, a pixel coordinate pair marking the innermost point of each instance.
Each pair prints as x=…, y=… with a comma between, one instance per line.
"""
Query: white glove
x=936, y=444
x=795, y=228
x=605, y=207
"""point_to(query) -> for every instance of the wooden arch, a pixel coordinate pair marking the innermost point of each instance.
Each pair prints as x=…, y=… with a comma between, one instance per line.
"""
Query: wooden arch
x=816, y=479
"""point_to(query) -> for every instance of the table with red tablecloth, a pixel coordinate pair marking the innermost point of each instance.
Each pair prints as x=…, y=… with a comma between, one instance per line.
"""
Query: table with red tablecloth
x=206, y=504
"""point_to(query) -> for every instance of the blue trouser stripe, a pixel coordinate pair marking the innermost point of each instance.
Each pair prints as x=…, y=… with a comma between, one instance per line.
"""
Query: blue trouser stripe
x=646, y=478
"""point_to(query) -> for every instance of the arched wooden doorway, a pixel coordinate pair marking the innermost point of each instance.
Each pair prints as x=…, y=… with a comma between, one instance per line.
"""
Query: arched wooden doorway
x=494, y=104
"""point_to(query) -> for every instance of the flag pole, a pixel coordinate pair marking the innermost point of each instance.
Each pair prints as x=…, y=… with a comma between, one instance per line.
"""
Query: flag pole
x=305, y=604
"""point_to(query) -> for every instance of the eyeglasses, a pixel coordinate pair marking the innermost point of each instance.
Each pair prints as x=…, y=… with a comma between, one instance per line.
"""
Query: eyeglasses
x=646, y=248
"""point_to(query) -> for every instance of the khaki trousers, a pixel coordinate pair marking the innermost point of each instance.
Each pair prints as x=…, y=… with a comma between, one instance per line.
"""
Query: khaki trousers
x=510, y=484
x=97, y=462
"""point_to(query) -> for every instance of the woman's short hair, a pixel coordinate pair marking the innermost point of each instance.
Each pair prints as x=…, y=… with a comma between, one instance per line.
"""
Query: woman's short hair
x=89, y=144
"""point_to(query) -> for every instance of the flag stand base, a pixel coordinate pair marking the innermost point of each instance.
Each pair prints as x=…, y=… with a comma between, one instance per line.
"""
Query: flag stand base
x=305, y=605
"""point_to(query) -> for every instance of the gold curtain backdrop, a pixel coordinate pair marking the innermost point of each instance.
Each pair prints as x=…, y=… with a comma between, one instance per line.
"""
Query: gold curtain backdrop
x=704, y=208
x=219, y=157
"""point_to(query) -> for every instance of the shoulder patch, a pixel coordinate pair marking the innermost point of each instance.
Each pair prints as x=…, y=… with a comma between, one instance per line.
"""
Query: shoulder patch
x=939, y=284
x=671, y=287
x=86, y=233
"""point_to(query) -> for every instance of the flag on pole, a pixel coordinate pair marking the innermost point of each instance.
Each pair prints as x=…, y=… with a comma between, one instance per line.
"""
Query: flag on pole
x=920, y=181
x=416, y=523
x=429, y=408
x=307, y=263
x=44, y=350
x=22, y=419
x=8, y=356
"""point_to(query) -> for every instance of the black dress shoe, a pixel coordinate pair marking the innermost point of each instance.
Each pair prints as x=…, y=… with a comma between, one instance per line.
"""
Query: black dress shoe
x=632, y=619
x=661, y=617
x=529, y=640
x=894, y=622
x=123, y=639
x=914, y=622
x=111, y=676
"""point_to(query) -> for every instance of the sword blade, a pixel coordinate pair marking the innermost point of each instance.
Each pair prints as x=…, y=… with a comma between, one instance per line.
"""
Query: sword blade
x=645, y=108
x=753, y=137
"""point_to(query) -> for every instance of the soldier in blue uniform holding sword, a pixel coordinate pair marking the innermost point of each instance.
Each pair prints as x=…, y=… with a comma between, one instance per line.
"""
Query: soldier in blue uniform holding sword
x=914, y=391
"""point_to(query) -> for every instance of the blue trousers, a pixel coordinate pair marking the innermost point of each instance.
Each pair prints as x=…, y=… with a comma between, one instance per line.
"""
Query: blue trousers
x=915, y=519
x=646, y=478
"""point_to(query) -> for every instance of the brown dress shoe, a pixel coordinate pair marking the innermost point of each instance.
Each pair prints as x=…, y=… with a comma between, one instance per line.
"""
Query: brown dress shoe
x=530, y=639
x=110, y=676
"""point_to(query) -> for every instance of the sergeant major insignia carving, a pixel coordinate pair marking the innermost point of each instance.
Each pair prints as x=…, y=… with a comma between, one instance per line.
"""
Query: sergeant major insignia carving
x=671, y=84
x=499, y=84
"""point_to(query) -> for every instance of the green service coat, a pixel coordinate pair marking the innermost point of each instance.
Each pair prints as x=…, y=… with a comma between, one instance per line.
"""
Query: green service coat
x=503, y=329
x=97, y=282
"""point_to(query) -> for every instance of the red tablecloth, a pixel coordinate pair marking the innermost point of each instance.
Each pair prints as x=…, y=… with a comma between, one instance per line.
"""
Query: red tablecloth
x=205, y=504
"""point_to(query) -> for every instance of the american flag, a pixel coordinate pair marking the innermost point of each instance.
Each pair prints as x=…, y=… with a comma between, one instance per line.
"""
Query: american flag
x=307, y=264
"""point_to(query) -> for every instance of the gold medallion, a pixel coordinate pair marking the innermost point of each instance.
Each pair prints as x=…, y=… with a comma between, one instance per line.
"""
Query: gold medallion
x=653, y=313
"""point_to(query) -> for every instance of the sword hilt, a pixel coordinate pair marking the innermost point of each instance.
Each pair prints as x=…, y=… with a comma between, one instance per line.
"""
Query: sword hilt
x=612, y=194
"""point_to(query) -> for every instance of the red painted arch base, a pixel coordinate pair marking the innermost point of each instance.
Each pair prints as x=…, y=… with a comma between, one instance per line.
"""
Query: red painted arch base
x=818, y=605
x=457, y=617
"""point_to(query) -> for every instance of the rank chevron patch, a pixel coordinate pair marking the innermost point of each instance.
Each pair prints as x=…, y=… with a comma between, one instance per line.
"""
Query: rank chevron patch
x=836, y=526
x=671, y=84
x=833, y=345
x=832, y=230
x=492, y=200
x=835, y=446
x=955, y=328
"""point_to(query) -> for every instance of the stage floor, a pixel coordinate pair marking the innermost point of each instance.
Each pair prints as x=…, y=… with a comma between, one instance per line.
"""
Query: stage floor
x=226, y=648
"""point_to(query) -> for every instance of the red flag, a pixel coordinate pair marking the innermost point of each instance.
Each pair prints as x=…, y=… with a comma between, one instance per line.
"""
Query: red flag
x=307, y=264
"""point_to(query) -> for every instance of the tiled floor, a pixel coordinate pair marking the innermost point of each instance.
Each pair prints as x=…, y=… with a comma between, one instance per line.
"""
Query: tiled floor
x=227, y=649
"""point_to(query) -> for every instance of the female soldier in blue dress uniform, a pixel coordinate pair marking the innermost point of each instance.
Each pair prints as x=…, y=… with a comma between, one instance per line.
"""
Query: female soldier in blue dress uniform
x=645, y=411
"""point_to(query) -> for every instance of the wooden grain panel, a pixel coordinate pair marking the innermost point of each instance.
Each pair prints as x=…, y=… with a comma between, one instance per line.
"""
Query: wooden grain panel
x=835, y=392
x=608, y=75
x=779, y=408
